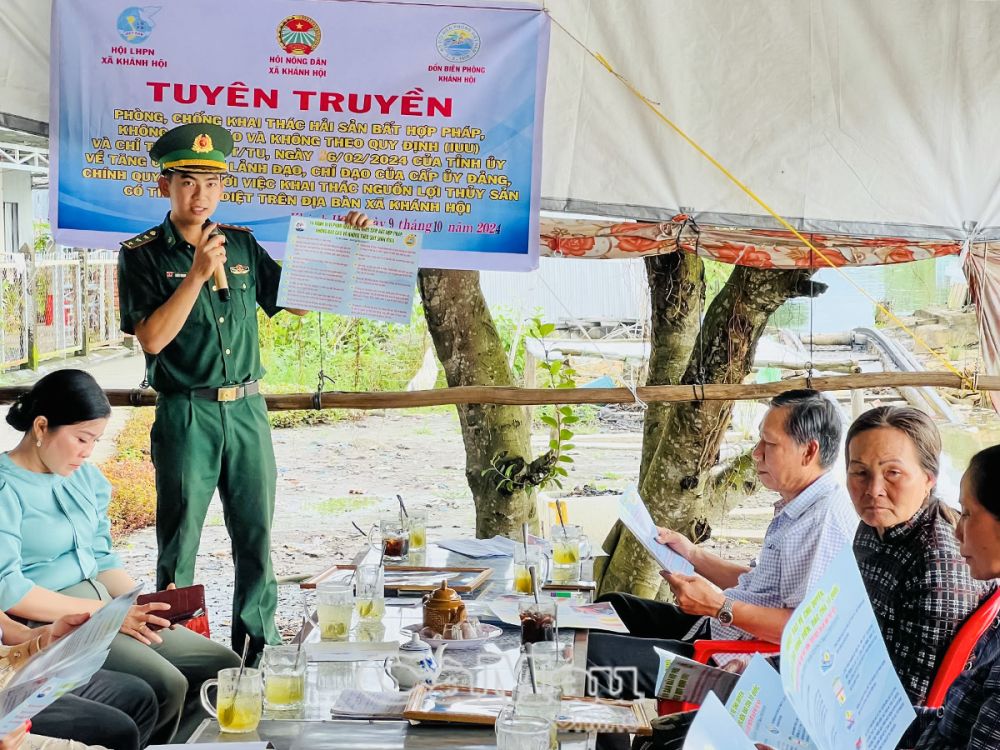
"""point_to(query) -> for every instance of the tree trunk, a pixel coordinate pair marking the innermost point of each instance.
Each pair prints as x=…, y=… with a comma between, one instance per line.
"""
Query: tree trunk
x=688, y=440
x=677, y=295
x=471, y=353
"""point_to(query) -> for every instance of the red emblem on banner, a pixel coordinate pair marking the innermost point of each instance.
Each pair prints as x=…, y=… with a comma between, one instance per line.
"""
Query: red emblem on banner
x=298, y=35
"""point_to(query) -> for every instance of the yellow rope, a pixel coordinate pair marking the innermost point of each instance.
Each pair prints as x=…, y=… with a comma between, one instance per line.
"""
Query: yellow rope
x=759, y=201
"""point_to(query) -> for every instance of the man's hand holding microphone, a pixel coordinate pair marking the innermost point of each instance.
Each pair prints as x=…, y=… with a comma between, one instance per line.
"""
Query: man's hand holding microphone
x=210, y=259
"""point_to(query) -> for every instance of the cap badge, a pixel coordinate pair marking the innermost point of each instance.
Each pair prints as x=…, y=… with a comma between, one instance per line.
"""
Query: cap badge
x=202, y=144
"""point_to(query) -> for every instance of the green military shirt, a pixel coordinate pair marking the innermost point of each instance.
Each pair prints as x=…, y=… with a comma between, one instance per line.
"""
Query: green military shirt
x=218, y=344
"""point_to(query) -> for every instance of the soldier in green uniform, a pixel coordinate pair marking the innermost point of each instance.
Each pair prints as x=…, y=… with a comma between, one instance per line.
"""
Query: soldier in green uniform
x=203, y=358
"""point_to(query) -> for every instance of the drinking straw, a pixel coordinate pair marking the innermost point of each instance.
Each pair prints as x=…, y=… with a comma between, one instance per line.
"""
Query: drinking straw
x=559, y=513
x=531, y=668
x=231, y=708
x=302, y=637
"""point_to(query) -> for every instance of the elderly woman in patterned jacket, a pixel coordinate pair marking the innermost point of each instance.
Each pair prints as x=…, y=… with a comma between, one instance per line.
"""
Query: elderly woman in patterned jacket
x=919, y=584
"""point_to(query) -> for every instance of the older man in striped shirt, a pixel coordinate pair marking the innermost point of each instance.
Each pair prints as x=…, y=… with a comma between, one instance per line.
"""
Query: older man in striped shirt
x=813, y=520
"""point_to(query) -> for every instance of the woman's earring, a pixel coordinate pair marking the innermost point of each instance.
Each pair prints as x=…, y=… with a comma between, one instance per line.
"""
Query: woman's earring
x=38, y=443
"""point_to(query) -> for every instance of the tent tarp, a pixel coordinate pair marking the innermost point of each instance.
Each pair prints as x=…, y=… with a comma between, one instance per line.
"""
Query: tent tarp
x=761, y=248
x=24, y=62
x=858, y=117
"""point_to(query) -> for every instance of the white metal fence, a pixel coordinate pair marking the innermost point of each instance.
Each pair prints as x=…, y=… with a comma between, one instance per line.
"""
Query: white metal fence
x=56, y=304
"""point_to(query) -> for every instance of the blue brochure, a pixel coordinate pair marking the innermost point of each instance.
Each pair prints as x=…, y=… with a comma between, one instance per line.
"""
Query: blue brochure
x=836, y=669
x=761, y=708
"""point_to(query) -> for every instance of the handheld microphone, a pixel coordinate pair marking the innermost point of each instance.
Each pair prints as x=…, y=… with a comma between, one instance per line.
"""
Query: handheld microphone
x=221, y=280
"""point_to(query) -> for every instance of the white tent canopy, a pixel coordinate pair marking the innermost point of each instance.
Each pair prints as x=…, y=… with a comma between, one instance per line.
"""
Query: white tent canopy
x=24, y=64
x=868, y=117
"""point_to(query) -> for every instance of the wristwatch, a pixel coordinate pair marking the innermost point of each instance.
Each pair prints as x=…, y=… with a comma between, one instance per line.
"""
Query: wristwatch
x=725, y=613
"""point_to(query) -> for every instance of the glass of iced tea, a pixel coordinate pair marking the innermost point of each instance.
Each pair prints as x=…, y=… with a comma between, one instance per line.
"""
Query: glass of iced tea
x=523, y=559
x=284, y=669
x=418, y=530
x=392, y=533
x=238, y=700
x=538, y=620
x=569, y=546
x=335, y=605
x=369, y=592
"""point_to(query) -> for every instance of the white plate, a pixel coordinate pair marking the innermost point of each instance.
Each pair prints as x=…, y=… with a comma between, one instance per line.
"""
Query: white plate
x=492, y=631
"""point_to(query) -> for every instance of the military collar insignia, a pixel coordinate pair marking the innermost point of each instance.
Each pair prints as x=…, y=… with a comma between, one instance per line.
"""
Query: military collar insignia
x=170, y=234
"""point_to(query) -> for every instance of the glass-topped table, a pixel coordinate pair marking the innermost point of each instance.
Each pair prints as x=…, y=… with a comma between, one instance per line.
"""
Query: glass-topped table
x=490, y=667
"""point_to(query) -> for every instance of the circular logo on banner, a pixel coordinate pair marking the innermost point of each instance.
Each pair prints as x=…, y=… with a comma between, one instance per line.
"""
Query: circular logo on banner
x=298, y=35
x=458, y=42
x=134, y=26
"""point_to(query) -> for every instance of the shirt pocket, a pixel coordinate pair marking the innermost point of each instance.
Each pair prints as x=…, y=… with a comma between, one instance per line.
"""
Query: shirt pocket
x=768, y=568
x=243, y=295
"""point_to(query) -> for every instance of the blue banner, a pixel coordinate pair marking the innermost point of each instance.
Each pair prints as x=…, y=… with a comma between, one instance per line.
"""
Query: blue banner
x=426, y=116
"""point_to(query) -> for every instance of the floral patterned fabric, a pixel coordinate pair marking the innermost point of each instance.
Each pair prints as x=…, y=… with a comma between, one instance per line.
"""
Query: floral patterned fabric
x=759, y=248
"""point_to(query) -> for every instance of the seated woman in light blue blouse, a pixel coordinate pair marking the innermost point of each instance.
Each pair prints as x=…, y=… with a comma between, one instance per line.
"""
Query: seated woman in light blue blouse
x=55, y=546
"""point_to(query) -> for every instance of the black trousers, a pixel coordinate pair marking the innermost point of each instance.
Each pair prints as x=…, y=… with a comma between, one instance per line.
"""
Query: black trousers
x=115, y=710
x=625, y=666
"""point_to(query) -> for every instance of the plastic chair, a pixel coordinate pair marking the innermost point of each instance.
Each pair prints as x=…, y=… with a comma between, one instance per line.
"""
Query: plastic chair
x=703, y=651
x=957, y=656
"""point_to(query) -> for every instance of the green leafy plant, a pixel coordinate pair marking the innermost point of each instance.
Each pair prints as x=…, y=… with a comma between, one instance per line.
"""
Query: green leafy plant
x=354, y=355
x=43, y=236
x=514, y=474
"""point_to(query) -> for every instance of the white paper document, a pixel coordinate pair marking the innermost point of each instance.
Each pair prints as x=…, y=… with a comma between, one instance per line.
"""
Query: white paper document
x=95, y=635
x=836, y=669
x=479, y=549
x=369, y=704
x=69, y=662
x=683, y=679
x=599, y=616
x=714, y=729
x=350, y=650
x=837, y=689
x=365, y=273
x=763, y=711
x=634, y=514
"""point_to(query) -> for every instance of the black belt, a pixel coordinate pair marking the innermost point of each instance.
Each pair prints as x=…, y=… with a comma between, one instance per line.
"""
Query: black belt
x=228, y=392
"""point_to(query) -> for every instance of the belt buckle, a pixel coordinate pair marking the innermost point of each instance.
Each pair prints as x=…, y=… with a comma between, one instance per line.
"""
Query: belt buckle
x=229, y=393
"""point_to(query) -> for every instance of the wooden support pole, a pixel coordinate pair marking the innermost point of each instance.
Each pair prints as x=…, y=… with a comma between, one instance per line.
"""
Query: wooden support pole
x=539, y=396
